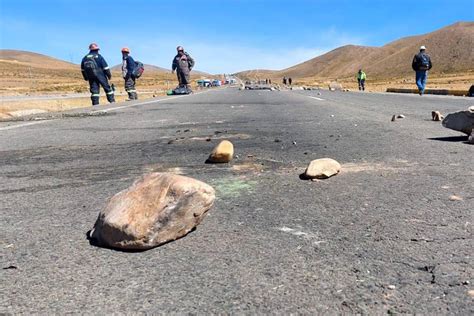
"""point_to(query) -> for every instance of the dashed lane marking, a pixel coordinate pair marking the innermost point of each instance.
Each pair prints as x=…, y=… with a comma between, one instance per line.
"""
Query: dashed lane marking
x=148, y=102
x=22, y=125
x=316, y=98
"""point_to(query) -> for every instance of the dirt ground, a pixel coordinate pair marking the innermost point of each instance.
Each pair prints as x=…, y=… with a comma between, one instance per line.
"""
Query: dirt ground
x=62, y=86
x=435, y=81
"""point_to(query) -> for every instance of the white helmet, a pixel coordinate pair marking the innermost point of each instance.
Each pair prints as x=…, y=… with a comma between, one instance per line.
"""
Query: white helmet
x=422, y=47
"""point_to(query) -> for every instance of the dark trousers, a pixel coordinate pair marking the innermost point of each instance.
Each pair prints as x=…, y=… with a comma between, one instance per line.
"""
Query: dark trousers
x=95, y=84
x=130, y=88
x=184, y=78
x=361, y=84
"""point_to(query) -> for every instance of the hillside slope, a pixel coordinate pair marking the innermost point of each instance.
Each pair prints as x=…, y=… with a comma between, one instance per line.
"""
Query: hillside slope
x=35, y=60
x=451, y=50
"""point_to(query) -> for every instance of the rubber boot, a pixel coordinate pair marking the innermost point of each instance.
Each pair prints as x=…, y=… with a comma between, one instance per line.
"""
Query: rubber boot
x=111, y=98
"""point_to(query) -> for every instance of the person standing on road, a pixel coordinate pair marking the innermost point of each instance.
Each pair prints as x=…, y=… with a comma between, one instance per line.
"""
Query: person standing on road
x=284, y=81
x=421, y=64
x=290, y=81
x=128, y=66
x=94, y=69
x=361, y=76
x=183, y=64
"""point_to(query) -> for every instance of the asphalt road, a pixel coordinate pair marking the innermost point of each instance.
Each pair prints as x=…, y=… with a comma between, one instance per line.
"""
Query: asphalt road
x=380, y=237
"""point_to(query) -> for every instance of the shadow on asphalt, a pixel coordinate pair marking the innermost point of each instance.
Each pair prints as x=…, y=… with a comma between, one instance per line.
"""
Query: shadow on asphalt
x=94, y=242
x=451, y=139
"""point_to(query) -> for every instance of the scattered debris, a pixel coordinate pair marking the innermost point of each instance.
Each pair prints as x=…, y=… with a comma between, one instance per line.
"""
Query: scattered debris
x=462, y=121
x=322, y=168
x=455, y=198
x=335, y=86
x=222, y=153
x=397, y=116
x=277, y=140
x=156, y=209
x=10, y=268
x=436, y=116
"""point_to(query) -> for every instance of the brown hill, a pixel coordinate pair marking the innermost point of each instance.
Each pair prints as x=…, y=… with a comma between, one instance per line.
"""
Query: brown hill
x=28, y=72
x=148, y=68
x=35, y=60
x=451, y=50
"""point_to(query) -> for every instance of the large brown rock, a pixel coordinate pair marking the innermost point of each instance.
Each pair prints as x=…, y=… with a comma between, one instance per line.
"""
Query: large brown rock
x=158, y=208
x=322, y=168
x=224, y=152
x=462, y=121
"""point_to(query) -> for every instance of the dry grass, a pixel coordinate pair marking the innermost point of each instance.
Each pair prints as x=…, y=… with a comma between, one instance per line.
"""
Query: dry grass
x=22, y=79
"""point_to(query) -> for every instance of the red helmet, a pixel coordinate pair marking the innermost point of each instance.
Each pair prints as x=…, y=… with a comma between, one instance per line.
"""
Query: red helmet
x=94, y=46
x=125, y=50
x=180, y=48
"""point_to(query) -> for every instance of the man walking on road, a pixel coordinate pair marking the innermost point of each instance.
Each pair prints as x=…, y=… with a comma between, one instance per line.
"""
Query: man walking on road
x=421, y=64
x=94, y=69
x=361, y=76
x=128, y=66
x=183, y=64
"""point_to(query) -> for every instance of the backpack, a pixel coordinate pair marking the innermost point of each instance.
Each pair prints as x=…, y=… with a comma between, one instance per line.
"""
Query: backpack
x=90, y=67
x=138, y=70
x=423, y=62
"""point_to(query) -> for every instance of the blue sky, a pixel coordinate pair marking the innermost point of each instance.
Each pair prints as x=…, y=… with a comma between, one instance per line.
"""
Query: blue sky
x=223, y=36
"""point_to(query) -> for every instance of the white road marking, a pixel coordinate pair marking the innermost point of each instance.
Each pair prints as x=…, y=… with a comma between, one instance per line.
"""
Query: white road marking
x=22, y=125
x=316, y=98
x=148, y=102
x=103, y=110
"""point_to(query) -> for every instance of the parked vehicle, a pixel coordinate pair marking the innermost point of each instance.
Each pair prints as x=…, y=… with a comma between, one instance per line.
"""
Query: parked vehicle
x=204, y=83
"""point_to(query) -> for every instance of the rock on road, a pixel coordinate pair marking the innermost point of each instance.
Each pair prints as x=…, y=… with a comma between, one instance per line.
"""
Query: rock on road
x=381, y=236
